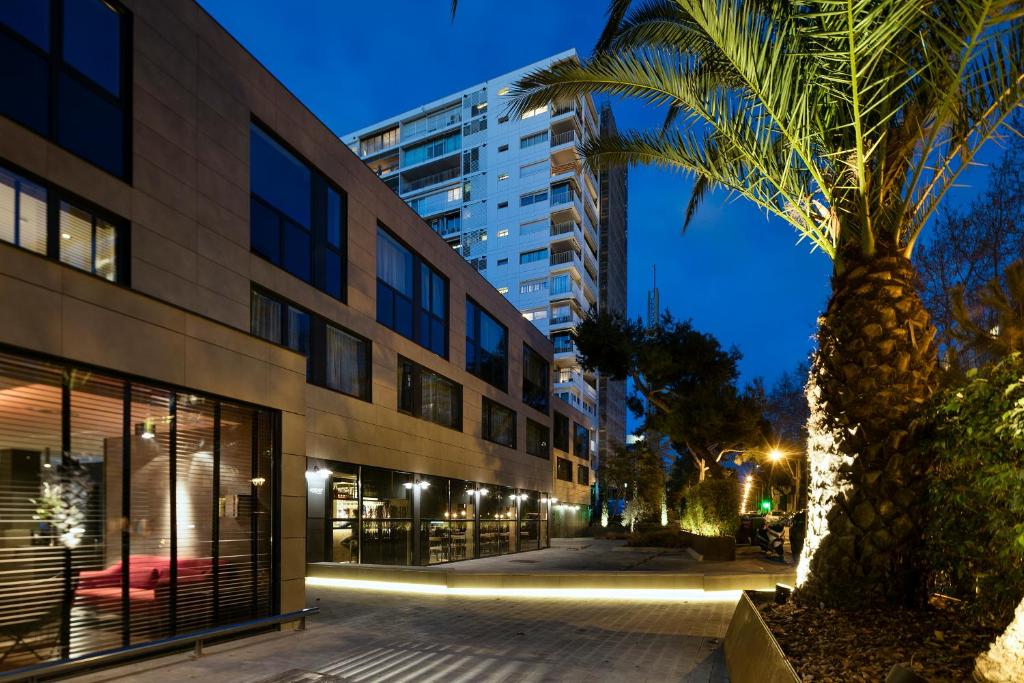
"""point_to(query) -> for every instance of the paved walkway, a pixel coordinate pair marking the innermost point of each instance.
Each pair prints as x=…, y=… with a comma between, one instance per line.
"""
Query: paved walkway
x=373, y=636
x=591, y=554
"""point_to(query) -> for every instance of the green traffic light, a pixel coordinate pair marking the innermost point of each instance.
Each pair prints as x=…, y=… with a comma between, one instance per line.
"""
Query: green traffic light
x=766, y=505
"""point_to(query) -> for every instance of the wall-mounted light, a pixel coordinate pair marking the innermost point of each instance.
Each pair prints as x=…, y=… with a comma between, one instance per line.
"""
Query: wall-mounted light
x=258, y=481
x=317, y=473
x=419, y=484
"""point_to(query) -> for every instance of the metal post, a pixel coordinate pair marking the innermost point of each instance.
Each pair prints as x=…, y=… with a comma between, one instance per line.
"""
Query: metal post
x=199, y=648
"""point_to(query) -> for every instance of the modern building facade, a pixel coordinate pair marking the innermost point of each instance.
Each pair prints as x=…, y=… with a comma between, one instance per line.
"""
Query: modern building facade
x=510, y=194
x=613, y=233
x=226, y=346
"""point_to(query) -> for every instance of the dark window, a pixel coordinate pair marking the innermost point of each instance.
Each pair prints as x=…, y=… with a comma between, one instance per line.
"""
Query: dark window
x=561, y=436
x=428, y=395
x=50, y=222
x=68, y=58
x=335, y=358
x=503, y=262
x=583, y=475
x=533, y=198
x=563, y=470
x=580, y=441
x=502, y=148
x=412, y=297
x=486, y=346
x=502, y=205
x=499, y=423
x=533, y=256
x=297, y=218
x=537, y=439
x=536, y=380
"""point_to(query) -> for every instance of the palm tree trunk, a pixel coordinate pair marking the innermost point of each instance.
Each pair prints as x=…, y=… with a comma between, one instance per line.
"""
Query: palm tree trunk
x=875, y=369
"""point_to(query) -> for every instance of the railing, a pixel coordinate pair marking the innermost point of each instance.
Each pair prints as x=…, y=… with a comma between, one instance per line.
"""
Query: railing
x=31, y=674
x=564, y=168
x=563, y=228
x=431, y=179
x=562, y=197
x=563, y=138
x=558, y=111
x=565, y=347
x=562, y=319
x=563, y=257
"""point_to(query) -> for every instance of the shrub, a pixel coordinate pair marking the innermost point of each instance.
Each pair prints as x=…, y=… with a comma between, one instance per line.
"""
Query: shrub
x=711, y=508
x=974, y=538
x=660, y=538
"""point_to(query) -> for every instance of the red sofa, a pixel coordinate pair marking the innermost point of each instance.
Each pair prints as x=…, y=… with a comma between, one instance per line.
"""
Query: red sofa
x=149, y=579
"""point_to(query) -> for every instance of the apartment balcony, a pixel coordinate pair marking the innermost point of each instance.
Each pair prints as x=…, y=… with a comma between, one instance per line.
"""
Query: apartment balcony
x=571, y=379
x=567, y=137
x=431, y=179
x=566, y=321
x=567, y=231
x=568, y=257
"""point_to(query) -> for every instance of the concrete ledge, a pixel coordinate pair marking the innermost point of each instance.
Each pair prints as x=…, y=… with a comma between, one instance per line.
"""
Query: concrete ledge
x=442, y=579
x=752, y=655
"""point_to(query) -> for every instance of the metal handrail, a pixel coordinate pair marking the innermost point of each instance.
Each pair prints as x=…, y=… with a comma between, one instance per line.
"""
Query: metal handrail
x=563, y=138
x=563, y=228
x=563, y=257
x=431, y=179
x=31, y=674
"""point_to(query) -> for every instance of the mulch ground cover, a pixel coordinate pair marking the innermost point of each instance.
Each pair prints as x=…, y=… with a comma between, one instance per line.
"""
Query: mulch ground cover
x=938, y=642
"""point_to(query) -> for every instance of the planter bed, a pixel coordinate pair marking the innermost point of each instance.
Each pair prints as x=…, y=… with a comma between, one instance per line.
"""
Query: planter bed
x=937, y=642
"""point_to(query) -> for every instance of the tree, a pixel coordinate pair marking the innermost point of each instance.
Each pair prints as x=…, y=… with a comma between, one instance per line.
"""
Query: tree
x=970, y=248
x=850, y=121
x=636, y=474
x=785, y=408
x=686, y=378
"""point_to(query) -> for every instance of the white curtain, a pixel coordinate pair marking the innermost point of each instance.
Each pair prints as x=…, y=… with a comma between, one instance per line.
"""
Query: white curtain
x=346, y=362
x=394, y=263
x=266, y=318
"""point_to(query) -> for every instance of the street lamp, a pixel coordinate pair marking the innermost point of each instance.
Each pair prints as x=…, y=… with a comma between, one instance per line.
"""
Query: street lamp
x=775, y=455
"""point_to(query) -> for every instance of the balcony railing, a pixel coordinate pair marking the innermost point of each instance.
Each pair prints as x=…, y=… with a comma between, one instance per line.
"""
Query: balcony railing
x=565, y=346
x=431, y=179
x=561, y=257
x=562, y=196
x=563, y=228
x=563, y=138
x=558, y=111
x=563, y=319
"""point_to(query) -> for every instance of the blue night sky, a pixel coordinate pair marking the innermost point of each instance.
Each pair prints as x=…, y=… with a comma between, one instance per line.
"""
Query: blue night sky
x=735, y=273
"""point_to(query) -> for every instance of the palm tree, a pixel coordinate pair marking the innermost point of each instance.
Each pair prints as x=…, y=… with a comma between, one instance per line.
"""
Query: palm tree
x=850, y=120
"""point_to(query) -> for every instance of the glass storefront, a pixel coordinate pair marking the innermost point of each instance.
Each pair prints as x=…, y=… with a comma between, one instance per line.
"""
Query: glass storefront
x=130, y=512
x=378, y=516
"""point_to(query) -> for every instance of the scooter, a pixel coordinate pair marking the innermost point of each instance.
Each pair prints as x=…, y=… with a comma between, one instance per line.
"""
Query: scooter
x=771, y=538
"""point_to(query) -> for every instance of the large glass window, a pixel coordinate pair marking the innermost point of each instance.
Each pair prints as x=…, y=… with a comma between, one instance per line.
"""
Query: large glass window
x=22, y=212
x=563, y=469
x=335, y=358
x=125, y=499
x=72, y=91
x=561, y=436
x=297, y=217
x=343, y=514
x=432, y=149
x=43, y=220
x=498, y=522
x=537, y=439
x=387, y=516
x=536, y=380
x=583, y=475
x=426, y=394
x=486, y=346
x=88, y=242
x=499, y=423
x=580, y=441
x=412, y=297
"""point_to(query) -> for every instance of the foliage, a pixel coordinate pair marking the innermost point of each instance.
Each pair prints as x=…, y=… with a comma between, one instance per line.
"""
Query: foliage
x=997, y=328
x=849, y=121
x=686, y=377
x=659, y=538
x=711, y=508
x=972, y=246
x=637, y=510
x=604, y=515
x=975, y=533
x=636, y=470
x=64, y=501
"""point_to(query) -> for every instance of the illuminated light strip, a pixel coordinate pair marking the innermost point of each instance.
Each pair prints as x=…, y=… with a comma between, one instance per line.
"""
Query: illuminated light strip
x=661, y=594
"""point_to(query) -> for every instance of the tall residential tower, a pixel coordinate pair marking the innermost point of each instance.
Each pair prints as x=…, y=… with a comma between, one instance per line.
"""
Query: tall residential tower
x=510, y=194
